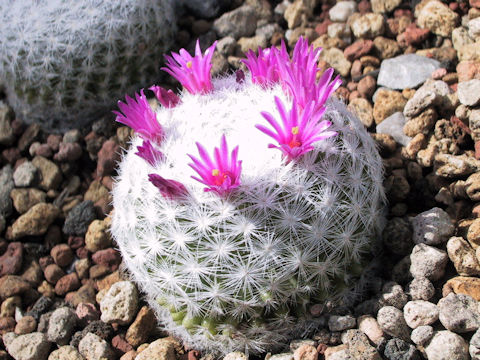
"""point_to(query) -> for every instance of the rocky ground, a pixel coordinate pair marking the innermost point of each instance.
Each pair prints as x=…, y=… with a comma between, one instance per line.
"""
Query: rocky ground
x=411, y=72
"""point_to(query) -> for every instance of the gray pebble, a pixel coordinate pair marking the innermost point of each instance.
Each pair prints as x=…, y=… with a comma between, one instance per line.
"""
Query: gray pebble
x=237, y=23
x=340, y=323
x=459, y=313
x=469, y=92
x=393, y=295
x=393, y=125
x=397, y=349
x=420, y=288
x=61, y=325
x=420, y=312
x=33, y=346
x=6, y=185
x=432, y=227
x=226, y=45
x=25, y=174
x=447, y=345
x=79, y=218
x=474, y=347
x=422, y=334
x=397, y=236
x=428, y=262
x=393, y=323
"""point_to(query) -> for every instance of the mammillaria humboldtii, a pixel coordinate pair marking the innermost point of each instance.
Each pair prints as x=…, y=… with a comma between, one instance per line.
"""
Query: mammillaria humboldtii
x=261, y=198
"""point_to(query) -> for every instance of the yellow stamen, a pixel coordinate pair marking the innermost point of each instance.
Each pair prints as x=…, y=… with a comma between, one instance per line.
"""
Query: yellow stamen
x=295, y=130
x=215, y=172
x=189, y=64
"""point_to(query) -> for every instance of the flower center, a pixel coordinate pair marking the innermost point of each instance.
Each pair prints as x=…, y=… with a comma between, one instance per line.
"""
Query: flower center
x=294, y=142
x=189, y=64
x=219, y=176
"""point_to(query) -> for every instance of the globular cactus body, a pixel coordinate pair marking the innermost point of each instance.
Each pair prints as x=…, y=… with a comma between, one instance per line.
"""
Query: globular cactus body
x=64, y=62
x=241, y=271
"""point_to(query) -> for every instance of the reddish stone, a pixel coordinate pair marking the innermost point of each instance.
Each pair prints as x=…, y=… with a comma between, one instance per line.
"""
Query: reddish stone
x=62, y=255
x=81, y=252
x=11, y=261
x=322, y=28
x=468, y=70
x=44, y=150
x=477, y=150
x=356, y=69
x=453, y=87
x=439, y=74
x=353, y=95
x=86, y=313
x=76, y=242
x=67, y=283
x=364, y=6
x=193, y=355
x=119, y=343
x=108, y=156
x=45, y=261
x=7, y=324
x=342, y=93
x=108, y=257
x=68, y=152
x=11, y=155
x=412, y=35
x=86, y=294
x=53, y=273
x=54, y=141
x=366, y=86
x=402, y=12
x=358, y=49
x=107, y=181
x=453, y=6
x=475, y=3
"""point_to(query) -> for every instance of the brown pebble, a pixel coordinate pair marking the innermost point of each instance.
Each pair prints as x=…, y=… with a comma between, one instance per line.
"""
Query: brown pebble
x=66, y=284
x=62, y=255
x=7, y=324
x=26, y=325
x=53, y=273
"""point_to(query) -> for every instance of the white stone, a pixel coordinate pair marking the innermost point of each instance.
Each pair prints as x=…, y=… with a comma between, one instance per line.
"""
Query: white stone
x=120, y=303
x=342, y=10
x=469, y=92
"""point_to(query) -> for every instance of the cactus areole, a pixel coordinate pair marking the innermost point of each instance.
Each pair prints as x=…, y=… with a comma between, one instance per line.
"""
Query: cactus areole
x=258, y=197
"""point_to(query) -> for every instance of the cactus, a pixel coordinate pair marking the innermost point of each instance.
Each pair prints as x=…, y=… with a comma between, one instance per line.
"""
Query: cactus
x=233, y=249
x=64, y=62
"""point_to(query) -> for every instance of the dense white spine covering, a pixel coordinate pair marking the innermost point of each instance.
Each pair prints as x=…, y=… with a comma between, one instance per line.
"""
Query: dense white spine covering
x=66, y=62
x=287, y=238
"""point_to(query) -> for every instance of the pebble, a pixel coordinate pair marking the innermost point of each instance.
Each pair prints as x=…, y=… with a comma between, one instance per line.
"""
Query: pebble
x=26, y=325
x=140, y=329
x=358, y=49
x=432, y=227
x=463, y=285
x=406, y=71
x=35, y=221
x=11, y=260
x=428, y=262
x=420, y=288
x=295, y=13
x=50, y=174
x=385, y=48
x=53, y=273
x=79, y=218
x=455, y=166
x=93, y=347
x=25, y=174
x=437, y=17
x=420, y=312
x=61, y=325
x=98, y=328
x=66, y=352
x=393, y=295
x=397, y=349
x=96, y=237
x=422, y=334
x=34, y=346
x=62, y=255
x=393, y=126
x=6, y=185
x=392, y=322
x=7, y=136
x=359, y=346
x=421, y=124
x=397, y=236
x=369, y=26
x=463, y=257
x=363, y=109
x=459, y=313
x=305, y=352
x=341, y=11
x=82, y=267
x=446, y=345
x=24, y=199
x=474, y=348
x=164, y=349
x=108, y=157
x=68, y=152
x=120, y=303
x=236, y=23
x=7, y=325
x=340, y=323
x=469, y=92
x=387, y=103
x=66, y=284
x=336, y=59
x=86, y=313
x=384, y=6
x=469, y=52
x=41, y=306
x=9, y=306
x=31, y=134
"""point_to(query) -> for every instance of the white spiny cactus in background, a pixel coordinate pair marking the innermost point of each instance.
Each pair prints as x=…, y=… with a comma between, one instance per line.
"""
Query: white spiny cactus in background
x=64, y=62
x=240, y=265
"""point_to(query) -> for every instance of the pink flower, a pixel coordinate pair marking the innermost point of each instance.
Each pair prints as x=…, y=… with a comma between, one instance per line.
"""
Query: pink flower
x=138, y=115
x=263, y=68
x=170, y=189
x=166, y=97
x=222, y=174
x=193, y=72
x=299, y=76
x=148, y=152
x=298, y=130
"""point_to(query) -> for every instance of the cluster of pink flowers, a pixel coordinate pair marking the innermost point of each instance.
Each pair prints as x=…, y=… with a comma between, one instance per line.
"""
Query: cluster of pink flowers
x=300, y=127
